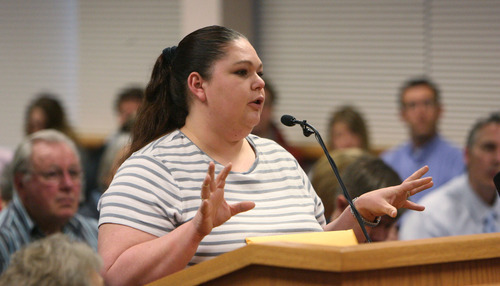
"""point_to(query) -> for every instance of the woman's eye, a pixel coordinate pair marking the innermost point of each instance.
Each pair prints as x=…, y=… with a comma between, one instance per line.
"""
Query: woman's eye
x=261, y=74
x=241, y=72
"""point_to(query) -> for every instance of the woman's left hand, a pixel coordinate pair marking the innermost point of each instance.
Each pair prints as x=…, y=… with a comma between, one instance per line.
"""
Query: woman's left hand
x=387, y=201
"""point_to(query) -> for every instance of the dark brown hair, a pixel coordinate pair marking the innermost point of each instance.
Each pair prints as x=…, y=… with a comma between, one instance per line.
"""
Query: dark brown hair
x=419, y=81
x=165, y=106
x=354, y=121
x=54, y=114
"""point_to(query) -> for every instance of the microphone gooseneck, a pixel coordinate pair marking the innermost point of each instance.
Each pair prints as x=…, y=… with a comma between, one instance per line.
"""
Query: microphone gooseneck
x=308, y=129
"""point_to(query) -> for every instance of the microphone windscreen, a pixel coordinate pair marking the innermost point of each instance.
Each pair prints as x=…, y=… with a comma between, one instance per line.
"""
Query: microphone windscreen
x=496, y=179
x=288, y=120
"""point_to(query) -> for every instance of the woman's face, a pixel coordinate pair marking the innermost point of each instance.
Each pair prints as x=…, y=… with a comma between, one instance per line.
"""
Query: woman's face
x=37, y=120
x=343, y=137
x=235, y=92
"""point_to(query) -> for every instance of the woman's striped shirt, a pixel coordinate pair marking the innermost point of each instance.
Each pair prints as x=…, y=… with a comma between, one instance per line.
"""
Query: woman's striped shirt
x=158, y=189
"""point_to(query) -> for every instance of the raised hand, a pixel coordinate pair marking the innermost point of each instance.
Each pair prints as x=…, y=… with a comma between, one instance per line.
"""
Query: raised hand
x=386, y=201
x=214, y=210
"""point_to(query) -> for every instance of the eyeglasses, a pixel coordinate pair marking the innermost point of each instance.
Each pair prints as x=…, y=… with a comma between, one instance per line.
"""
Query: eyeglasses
x=427, y=104
x=56, y=176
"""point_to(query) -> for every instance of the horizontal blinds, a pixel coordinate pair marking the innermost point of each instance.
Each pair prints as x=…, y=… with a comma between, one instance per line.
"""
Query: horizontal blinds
x=465, y=56
x=38, y=50
x=84, y=51
x=323, y=54
x=119, y=43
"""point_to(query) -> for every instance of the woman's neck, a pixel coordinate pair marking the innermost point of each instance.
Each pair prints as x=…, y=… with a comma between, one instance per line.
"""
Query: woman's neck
x=220, y=146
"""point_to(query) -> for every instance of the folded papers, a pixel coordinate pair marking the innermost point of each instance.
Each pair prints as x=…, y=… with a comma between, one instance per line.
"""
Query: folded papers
x=331, y=238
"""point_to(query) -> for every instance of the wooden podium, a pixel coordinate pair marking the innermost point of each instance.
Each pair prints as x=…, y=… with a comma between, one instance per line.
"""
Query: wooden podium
x=458, y=260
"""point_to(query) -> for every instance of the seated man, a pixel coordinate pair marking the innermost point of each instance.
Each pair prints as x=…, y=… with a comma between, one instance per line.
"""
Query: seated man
x=47, y=178
x=468, y=204
x=420, y=108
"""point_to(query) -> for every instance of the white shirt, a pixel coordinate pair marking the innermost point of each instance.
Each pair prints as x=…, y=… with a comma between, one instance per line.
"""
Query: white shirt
x=453, y=209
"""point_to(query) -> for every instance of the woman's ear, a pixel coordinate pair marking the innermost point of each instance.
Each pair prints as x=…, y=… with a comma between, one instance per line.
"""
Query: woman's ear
x=195, y=85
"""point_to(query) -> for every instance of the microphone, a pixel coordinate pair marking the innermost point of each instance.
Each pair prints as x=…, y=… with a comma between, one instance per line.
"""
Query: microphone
x=308, y=129
x=496, y=179
x=289, y=120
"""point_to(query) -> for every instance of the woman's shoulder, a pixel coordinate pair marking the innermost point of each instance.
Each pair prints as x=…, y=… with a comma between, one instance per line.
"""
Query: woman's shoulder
x=172, y=143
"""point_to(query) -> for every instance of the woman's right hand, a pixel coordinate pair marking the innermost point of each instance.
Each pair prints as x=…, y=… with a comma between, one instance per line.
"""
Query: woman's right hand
x=214, y=209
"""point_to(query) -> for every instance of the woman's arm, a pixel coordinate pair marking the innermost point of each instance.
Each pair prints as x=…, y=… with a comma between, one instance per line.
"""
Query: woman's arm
x=384, y=201
x=133, y=257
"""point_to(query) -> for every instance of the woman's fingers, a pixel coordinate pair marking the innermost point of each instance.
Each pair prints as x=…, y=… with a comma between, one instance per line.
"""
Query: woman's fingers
x=417, y=185
x=418, y=174
x=421, y=188
x=390, y=210
x=211, y=172
x=241, y=207
x=205, y=188
x=413, y=206
x=221, y=178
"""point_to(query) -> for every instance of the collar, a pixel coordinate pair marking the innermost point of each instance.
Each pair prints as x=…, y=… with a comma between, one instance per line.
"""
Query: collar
x=478, y=208
x=32, y=229
x=420, y=153
x=23, y=215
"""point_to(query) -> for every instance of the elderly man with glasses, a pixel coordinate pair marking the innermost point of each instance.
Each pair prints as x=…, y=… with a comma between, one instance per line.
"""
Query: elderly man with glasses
x=47, y=177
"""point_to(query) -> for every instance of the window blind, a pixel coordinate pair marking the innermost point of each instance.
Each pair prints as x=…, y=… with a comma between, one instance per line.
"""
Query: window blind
x=119, y=43
x=321, y=54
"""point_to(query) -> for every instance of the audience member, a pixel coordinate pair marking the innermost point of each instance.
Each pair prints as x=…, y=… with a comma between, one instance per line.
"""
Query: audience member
x=5, y=158
x=323, y=178
x=166, y=209
x=347, y=129
x=267, y=127
x=368, y=173
x=126, y=104
x=6, y=188
x=54, y=260
x=421, y=109
x=347, y=140
x=469, y=203
x=109, y=163
x=47, y=112
x=47, y=177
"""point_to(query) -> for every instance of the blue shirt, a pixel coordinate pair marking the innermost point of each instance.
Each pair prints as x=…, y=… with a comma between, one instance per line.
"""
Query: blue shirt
x=444, y=160
x=453, y=209
x=17, y=229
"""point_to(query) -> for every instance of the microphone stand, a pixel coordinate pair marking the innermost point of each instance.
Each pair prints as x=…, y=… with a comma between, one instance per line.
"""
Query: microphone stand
x=308, y=129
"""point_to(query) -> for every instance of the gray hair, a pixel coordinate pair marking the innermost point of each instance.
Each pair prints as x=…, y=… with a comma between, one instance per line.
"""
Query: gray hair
x=492, y=118
x=54, y=260
x=22, y=157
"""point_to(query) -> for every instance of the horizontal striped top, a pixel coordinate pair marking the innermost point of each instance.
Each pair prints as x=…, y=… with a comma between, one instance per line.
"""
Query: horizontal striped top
x=158, y=189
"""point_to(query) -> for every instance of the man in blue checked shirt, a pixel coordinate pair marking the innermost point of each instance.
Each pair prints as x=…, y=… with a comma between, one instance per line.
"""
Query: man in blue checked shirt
x=47, y=177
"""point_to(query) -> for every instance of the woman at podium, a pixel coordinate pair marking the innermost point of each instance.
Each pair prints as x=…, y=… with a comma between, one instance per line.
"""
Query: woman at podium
x=196, y=182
